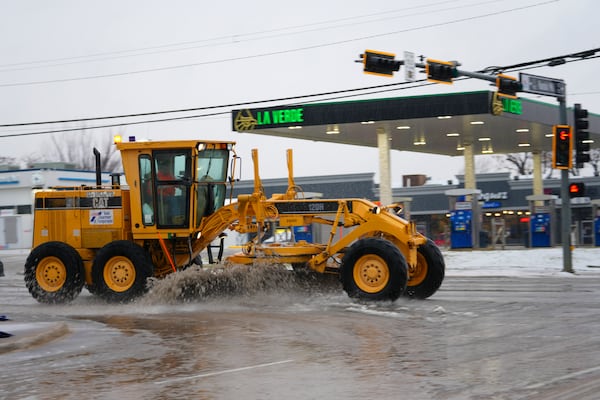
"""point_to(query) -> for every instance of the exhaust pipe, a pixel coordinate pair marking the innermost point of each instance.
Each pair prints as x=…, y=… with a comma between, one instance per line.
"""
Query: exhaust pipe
x=98, y=171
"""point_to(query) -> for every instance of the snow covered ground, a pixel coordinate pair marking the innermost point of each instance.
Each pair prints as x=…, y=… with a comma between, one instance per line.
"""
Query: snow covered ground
x=521, y=262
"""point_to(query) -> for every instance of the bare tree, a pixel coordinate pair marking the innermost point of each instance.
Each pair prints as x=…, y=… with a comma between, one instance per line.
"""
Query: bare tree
x=489, y=163
x=595, y=161
x=547, y=169
x=520, y=163
x=4, y=160
x=77, y=148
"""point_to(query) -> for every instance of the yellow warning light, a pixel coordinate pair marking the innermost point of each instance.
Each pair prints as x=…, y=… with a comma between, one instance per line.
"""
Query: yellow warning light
x=117, y=139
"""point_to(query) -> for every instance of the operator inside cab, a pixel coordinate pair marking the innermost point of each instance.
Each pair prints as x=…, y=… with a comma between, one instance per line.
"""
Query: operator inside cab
x=165, y=188
x=170, y=186
x=211, y=171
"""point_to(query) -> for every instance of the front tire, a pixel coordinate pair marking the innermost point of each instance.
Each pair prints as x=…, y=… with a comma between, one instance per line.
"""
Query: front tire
x=426, y=278
x=54, y=273
x=120, y=271
x=374, y=269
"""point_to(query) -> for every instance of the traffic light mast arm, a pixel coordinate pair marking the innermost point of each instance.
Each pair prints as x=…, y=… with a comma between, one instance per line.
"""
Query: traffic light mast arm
x=470, y=74
x=385, y=64
x=446, y=71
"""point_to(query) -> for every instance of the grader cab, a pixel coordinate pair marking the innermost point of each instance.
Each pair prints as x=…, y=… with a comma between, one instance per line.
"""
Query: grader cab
x=111, y=239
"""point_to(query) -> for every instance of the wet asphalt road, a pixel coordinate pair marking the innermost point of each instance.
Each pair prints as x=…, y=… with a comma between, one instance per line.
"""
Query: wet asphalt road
x=476, y=338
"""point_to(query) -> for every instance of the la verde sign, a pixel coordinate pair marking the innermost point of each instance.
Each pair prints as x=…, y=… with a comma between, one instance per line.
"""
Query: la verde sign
x=246, y=120
x=276, y=117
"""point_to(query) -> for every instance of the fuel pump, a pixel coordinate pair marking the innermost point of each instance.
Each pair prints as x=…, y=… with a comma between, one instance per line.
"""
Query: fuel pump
x=464, y=218
x=542, y=208
x=596, y=216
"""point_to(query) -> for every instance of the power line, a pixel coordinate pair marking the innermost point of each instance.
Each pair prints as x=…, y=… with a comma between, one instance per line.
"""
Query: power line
x=584, y=55
x=197, y=108
x=84, y=128
x=230, y=39
x=514, y=67
x=273, y=53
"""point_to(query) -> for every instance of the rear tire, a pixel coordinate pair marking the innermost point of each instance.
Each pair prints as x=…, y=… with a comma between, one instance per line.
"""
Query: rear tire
x=54, y=273
x=429, y=273
x=374, y=269
x=120, y=271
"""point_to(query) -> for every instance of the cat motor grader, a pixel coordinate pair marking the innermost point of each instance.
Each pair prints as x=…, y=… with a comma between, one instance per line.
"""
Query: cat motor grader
x=112, y=238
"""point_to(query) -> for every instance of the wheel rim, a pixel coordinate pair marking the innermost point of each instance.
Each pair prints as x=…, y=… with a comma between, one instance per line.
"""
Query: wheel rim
x=51, y=274
x=119, y=273
x=417, y=274
x=371, y=273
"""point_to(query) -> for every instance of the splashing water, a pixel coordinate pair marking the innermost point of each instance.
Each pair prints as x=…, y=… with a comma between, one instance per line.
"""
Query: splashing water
x=220, y=280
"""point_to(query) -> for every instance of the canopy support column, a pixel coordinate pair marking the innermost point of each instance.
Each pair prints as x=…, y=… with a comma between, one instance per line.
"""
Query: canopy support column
x=470, y=182
x=385, y=179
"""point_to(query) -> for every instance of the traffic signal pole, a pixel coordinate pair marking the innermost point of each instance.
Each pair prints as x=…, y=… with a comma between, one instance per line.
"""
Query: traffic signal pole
x=565, y=208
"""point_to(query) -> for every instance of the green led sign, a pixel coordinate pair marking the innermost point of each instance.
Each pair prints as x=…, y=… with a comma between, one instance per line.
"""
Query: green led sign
x=512, y=106
x=265, y=118
x=276, y=117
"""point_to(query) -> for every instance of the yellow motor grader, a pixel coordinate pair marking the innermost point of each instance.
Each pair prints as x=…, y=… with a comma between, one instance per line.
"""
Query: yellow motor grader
x=112, y=238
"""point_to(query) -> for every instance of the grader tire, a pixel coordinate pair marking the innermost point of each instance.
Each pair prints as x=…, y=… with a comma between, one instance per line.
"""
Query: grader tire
x=429, y=273
x=120, y=271
x=54, y=273
x=374, y=269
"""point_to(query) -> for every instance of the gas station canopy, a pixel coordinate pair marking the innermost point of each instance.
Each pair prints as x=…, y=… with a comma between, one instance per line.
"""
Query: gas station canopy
x=434, y=124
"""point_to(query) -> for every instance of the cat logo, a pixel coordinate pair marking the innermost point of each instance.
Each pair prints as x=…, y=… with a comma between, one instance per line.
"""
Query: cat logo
x=100, y=202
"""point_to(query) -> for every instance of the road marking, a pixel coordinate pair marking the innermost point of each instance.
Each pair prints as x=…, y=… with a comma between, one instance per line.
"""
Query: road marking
x=561, y=378
x=227, y=371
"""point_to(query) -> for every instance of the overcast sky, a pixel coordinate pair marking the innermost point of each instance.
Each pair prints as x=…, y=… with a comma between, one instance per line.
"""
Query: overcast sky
x=75, y=59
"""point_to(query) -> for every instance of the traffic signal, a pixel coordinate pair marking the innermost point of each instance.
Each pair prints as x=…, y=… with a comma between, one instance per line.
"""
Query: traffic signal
x=440, y=71
x=508, y=86
x=582, y=136
x=577, y=189
x=380, y=63
x=562, y=147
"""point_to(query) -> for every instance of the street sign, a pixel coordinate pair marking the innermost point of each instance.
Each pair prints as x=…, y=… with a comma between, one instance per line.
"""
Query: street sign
x=410, y=72
x=542, y=85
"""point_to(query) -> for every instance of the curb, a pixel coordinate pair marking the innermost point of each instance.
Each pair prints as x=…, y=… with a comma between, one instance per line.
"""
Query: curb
x=31, y=334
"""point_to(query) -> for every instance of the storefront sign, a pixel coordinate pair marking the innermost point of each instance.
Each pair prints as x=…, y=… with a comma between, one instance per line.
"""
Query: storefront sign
x=9, y=180
x=491, y=204
x=493, y=196
x=268, y=118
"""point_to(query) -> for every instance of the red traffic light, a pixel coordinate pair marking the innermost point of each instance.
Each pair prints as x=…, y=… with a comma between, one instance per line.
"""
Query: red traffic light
x=562, y=147
x=577, y=189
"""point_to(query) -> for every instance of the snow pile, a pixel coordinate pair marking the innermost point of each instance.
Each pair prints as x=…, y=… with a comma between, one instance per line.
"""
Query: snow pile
x=521, y=262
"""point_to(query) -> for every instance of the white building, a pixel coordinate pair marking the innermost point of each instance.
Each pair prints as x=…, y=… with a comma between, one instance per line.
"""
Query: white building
x=17, y=188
